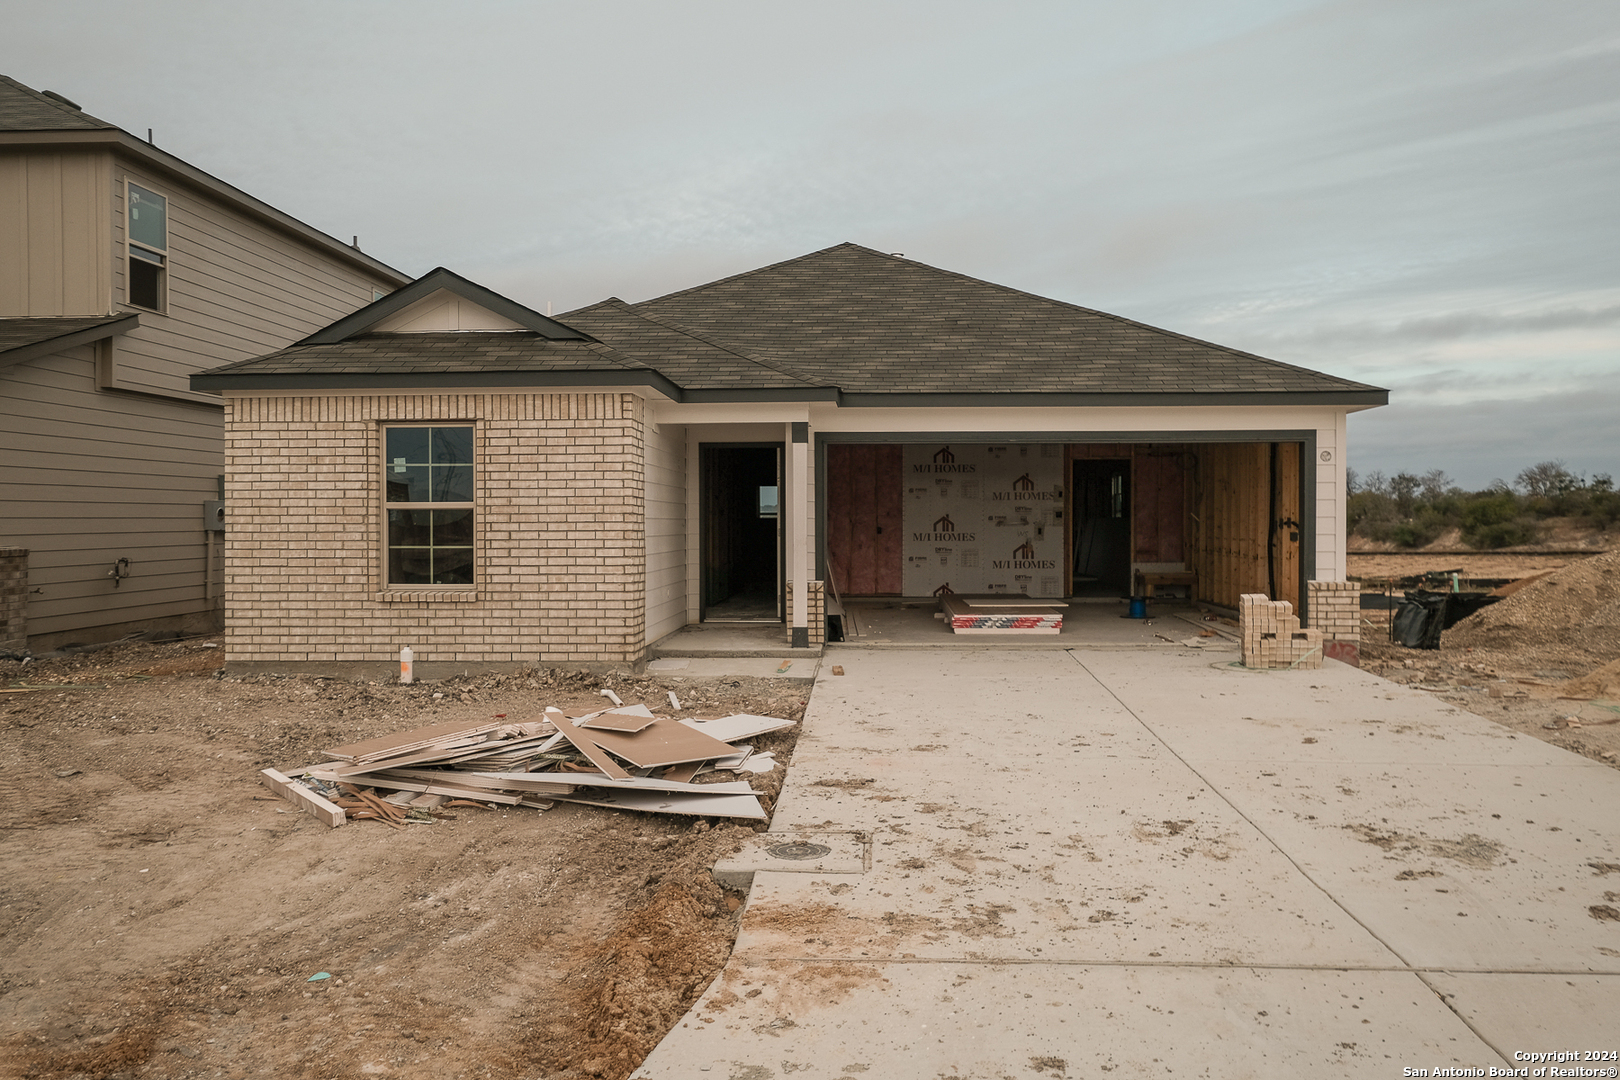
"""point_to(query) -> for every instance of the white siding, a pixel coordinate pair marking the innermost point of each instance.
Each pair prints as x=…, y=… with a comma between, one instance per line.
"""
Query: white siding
x=91, y=478
x=666, y=530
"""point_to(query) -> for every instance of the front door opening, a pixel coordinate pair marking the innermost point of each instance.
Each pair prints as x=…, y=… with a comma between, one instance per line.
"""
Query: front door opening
x=741, y=540
x=1102, y=527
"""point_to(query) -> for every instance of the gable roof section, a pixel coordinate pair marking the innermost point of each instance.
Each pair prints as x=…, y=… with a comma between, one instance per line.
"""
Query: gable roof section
x=23, y=339
x=22, y=108
x=879, y=324
x=429, y=283
x=29, y=118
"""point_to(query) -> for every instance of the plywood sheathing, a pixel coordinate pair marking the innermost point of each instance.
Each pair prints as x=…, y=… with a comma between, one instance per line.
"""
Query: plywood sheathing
x=1234, y=547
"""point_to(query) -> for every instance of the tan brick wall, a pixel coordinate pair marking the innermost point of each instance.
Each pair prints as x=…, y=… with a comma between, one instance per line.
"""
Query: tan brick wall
x=1272, y=636
x=560, y=548
x=1336, y=609
x=14, y=599
x=817, y=613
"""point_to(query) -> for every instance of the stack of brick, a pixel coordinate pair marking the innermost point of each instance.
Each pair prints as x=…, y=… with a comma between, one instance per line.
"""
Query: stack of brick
x=1336, y=611
x=1272, y=636
x=13, y=599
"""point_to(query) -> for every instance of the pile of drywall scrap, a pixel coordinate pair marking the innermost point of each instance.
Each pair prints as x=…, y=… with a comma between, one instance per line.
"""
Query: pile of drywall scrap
x=624, y=757
x=1002, y=614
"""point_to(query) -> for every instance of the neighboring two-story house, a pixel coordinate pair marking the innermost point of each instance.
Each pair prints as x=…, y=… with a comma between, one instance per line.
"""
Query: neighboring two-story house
x=123, y=271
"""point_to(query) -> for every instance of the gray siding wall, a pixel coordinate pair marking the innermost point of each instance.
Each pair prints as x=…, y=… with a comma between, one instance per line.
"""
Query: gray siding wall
x=115, y=461
x=666, y=531
x=237, y=289
x=91, y=477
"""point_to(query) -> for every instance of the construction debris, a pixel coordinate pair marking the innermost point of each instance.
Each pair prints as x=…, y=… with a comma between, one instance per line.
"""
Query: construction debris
x=625, y=757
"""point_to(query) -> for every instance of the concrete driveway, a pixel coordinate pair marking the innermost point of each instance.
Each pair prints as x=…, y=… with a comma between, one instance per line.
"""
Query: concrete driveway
x=1129, y=863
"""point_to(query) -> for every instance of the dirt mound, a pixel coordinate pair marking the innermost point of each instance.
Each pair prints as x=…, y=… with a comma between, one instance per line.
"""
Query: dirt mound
x=1576, y=610
x=1602, y=683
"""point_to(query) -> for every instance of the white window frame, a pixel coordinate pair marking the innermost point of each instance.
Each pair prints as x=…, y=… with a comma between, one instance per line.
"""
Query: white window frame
x=131, y=246
x=469, y=589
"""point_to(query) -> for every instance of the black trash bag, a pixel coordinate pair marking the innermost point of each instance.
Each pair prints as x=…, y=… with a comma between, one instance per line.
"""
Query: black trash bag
x=1420, y=618
x=1424, y=614
x=1464, y=604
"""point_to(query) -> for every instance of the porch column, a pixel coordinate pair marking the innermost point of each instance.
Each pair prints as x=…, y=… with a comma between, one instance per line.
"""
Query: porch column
x=797, y=520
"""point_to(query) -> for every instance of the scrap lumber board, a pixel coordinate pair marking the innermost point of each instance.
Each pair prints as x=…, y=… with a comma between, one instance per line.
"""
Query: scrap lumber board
x=303, y=798
x=634, y=783
x=729, y=729
x=665, y=742
x=455, y=791
x=657, y=802
x=1014, y=631
x=535, y=782
x=585, y=743
x=628, y=722
x=406, y=741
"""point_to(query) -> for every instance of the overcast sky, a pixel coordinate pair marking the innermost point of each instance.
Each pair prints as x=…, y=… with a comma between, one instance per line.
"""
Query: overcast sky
x=1420, y=194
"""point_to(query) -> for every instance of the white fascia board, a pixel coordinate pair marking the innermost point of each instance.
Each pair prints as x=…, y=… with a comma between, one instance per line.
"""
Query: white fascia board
x=645, y=392
x=1191, y=419
x=732, y=412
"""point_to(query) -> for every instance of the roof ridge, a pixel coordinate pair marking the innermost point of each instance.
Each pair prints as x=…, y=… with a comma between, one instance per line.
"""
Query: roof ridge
x=751, y=273
x=1089, y=311
x=753, y=358
x=40, y=97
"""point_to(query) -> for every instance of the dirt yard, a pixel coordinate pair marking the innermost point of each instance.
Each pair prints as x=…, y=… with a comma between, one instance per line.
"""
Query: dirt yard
x=162, y=916
x=1545, y=661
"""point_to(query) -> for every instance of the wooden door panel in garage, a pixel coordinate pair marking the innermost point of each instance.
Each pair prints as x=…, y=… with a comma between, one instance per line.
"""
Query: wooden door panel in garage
x=863, y=518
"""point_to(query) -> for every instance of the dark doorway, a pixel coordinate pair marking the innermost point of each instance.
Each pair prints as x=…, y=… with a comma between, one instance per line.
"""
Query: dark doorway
x=740, y=492
x=1102, y=527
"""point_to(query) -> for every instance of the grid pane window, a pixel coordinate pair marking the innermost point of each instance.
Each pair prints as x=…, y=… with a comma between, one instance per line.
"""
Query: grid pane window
x=148, y=247
x=428, y=486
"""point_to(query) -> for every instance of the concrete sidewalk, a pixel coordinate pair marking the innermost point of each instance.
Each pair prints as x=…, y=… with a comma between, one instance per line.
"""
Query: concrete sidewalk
x=1151, y=862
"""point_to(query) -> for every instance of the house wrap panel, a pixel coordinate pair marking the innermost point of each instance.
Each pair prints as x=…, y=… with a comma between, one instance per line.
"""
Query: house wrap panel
x=982, y=518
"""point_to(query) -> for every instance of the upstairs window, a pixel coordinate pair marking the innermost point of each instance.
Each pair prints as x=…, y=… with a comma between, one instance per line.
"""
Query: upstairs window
x=428, y=492
x=148, y=243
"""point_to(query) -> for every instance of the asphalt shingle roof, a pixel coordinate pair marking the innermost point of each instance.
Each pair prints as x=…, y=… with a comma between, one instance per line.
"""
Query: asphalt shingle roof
x=19, y=333
x=687, y=358
x=836, y=323
x=870, y=322
x=449, y=351
x=23, y=108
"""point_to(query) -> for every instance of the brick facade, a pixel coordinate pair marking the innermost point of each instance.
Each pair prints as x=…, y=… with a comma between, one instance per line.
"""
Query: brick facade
x=560, y=534
x=13, y=599
x=1336, y=611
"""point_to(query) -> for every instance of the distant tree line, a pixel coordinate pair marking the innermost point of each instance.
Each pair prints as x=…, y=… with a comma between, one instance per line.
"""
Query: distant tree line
x=1411, y=511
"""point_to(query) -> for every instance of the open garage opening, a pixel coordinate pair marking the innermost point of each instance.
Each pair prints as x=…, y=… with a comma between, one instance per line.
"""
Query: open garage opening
x=1076, y=520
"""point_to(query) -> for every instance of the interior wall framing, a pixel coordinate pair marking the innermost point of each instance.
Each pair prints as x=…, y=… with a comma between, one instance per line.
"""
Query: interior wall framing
x=1225, y=447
